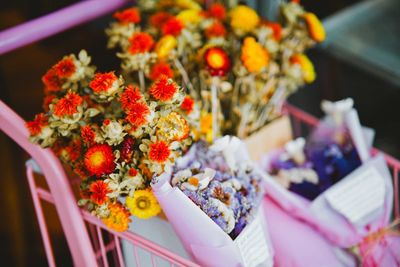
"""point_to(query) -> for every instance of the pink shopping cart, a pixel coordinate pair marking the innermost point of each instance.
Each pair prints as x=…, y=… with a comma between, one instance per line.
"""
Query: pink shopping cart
x=90, y=243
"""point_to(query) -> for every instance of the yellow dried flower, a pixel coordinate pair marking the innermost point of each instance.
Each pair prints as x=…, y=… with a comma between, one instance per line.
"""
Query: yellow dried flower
x=184, y=4
x=165, y=45
x=118, y=219
x=254, y=56
x=173, y=127
x=244, y=18
x=143, y=204
x=306, y=65
x=315, y=27
x=189, y=16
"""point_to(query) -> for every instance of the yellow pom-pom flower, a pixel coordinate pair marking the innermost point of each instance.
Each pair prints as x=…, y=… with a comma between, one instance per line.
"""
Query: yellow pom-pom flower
x=306, y=65
x=189, y=16
x=165, y=45
x=118, y=219
x=315, y=27
x=206, y=125
x=244, y=18
x=254, y=56
x=143, y=204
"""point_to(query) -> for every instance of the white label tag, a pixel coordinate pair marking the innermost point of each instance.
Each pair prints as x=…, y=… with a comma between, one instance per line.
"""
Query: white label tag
x=358, y=196
x=252, y=244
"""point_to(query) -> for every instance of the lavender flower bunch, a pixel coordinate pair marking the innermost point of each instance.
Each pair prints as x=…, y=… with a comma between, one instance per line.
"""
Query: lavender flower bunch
x=230, y=196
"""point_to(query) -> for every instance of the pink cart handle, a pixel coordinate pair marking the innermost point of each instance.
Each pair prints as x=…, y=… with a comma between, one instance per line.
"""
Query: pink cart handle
x=55, y=22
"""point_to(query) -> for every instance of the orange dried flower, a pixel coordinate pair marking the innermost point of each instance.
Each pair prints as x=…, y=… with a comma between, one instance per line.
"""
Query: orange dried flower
x=315, y=27
x=172, y=26
x=51, y=80
x=217, y=29
x=140, y=42
x=187, y=104
x=163, y=89
x=87, y=134
x=48, y=99
x=35, y=126
x=68, y=105
x=102, y=82
x=99, y=191
x=130, y=96
x=74, y=150
x=217, y=61
x=159, y=18
x=99, y=160
x=118, y=219
x=276, y=29
x=159, y=69
x=159, y=152
x=137, y=114
x=65, y=67
x=217, y=11
x=130, y=15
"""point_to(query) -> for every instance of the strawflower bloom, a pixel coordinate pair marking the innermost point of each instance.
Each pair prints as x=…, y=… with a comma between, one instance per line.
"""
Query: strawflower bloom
x=159, y=152
x=172, y=26
x=99, y=190
x=130, y=96
x=68, y=105
x=118, y=219
x=130, y=15
x=254, y=56
x=217, y=11
x=163, y=89
x=104, y=82
x=143, y=204
x=35, y=126
x=140, y=42
x=137, y=114
x=306, y=65
x=217, y=29
x=65, y=68
x=161, y=69
x=315, y=27
x=217, y=61
x=99, y=160
x=244, y=18
x=187, y=105
x=165, y=45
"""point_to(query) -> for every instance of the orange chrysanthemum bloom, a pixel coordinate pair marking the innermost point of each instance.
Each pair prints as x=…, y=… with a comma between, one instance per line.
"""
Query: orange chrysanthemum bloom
x=87, y=134
x=160, y=69
x=172, y=26
x=163, y=89
x=118, y=219
x=276, y=29
x=159, y=18
x=130, y=15
x=51, y=80
x=65, y=68
x=315, y=27
x=217, y=61
x=187, y=104
x=217, y=11
x=137, y=114
x=102, y=82
x=35, y=126
x=159, y=152
x=68, y=105
x=217, y=29
x=130, y=96
x=140, y=42
x=48, y=99
x=99, y=191
x=99, y=160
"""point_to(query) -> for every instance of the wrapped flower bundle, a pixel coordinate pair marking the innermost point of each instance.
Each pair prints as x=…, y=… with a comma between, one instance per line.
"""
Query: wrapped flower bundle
x=237, y=65
x=113, y=135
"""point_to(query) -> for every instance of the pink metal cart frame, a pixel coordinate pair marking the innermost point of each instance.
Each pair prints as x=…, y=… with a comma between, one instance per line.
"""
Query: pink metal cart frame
x=86, y=235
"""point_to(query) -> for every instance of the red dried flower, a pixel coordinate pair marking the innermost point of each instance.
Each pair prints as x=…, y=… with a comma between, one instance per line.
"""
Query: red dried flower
x=68, y=105
x=106, y=122
x=99, y=191
x=217, y=11
x=159, y=152
x=187, y=104
x=159, y=18
x=87, y=134
x=217, y=29
x=137, y=114
x=48, y=99
x=74, y=150
x=217, y=61
x=102, y=82
x=99, y=160
x=163, y=89
x=132, y=172
x=130, y=15
x=65, y=67
x=35, y=126
x=51, y=80
x=140, y=42
x=172, y=26
x=276, y=29
x=129, y=96
x=160, y=69
x=127, y=149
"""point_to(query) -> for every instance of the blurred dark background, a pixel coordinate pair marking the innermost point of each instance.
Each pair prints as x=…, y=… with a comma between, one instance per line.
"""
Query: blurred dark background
x=376, y=98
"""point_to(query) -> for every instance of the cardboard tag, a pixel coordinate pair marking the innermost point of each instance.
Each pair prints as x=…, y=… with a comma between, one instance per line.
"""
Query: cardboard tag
x=252, y=244
x=358, y=196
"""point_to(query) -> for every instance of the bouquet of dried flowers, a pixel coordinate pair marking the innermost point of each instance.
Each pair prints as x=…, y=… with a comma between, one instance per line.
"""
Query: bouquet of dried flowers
x=237, y=65
x=113, y=135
